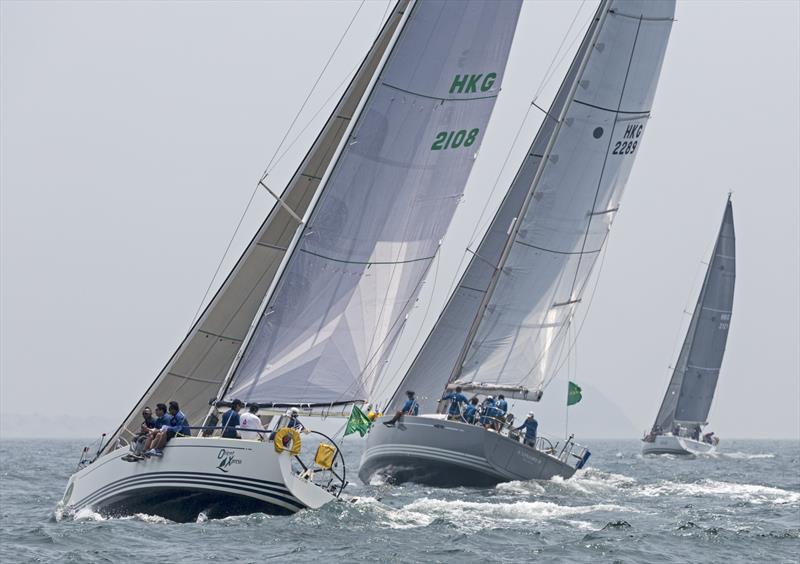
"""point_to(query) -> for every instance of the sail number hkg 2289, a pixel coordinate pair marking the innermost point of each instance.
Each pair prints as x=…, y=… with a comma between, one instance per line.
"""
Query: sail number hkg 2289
x=630, y=140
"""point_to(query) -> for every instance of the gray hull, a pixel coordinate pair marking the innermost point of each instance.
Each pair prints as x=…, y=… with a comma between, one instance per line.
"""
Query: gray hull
x=450, y=454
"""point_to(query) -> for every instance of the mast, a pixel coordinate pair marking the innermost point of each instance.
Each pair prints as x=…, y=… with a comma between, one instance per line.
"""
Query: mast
x=602, y=12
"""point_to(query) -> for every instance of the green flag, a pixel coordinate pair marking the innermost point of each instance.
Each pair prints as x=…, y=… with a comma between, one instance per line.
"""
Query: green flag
x=357, y=423
x=573, y=393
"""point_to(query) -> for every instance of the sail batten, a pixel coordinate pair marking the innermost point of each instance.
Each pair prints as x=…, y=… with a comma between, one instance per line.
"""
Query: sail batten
x=508, y=313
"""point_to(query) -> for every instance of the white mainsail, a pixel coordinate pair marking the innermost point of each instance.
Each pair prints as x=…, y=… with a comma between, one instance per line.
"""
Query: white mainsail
x=338, y=307
x=694, y=379
x=507, y=319
x=196, y=370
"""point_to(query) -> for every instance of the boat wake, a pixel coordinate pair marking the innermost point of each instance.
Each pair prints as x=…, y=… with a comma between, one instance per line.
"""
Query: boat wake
x=750, y=493
x=472, y=516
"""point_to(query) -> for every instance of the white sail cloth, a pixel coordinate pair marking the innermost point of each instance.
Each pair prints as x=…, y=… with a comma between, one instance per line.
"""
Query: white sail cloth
x=195, y=372
x=694, y=379
x=556, y=216
x=357, y=269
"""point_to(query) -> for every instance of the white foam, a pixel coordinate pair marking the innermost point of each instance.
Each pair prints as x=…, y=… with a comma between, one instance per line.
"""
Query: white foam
x=742, y=492
x=518, y=487
x=745, y=456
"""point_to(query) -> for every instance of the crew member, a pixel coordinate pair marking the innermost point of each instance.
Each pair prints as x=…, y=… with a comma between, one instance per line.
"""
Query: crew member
x=250, y=420
x=294, y=422
x=179, y=426
x=231, y=420
x=530, y=425
x=456, y=399
x=471, y=413
x=410, y=407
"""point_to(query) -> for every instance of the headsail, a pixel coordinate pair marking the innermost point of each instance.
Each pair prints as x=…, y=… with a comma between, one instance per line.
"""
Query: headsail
x=356, y=270
x=694, y=379
x=196, y=370
x=506, y=320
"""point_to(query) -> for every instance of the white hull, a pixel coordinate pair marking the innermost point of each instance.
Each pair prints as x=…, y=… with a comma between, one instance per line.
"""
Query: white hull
x=670, y=444
x=215, y=476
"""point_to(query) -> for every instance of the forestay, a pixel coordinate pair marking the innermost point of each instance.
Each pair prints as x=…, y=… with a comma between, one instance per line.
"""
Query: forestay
x=507, y=318
x=694, y=379
x=338, y=307
x=195, y=372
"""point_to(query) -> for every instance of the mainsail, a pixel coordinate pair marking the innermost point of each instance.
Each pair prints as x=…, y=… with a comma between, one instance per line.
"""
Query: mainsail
x=505, y=322
x=196, y=370
x=325, y=330
x=694, y=379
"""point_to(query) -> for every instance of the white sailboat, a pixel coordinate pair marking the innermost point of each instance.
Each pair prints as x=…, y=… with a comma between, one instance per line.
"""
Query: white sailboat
x=505, y=323
x=313, y=307
x=684, y=410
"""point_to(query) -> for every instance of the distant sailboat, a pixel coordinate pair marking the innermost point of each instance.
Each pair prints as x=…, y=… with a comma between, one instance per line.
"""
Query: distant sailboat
x=504, y=325
x=315, y=304
x=677, y=429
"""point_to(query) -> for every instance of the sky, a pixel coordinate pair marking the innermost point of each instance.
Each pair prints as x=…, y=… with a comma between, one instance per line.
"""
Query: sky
x=132, y=136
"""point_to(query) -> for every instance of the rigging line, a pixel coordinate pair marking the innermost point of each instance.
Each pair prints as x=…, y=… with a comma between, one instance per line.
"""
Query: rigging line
x=313, y=88
x=400, y=319
x=379, y=387
x=547, y=74
x=605, y=161
x=585, y=315
x=264, y=174
x=478, y=224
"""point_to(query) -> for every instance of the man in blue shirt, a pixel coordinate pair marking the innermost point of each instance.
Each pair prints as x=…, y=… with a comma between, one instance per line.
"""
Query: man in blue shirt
x=162, y=419
x=178, y=425
x=410, y=407
x=230, y=420
x=530, y=425
x=471, y=413
x=502, y=404
x=456, y=399
x=488, y=411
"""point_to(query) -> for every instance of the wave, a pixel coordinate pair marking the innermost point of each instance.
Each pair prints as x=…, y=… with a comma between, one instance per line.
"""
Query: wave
x=744, y=455
x=751, y=493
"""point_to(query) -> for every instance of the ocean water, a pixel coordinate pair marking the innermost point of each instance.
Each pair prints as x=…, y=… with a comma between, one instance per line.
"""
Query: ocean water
x=742, y=505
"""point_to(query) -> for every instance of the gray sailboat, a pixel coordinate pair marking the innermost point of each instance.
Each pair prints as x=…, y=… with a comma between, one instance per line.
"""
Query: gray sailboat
x=503, y=327
x=684, y=410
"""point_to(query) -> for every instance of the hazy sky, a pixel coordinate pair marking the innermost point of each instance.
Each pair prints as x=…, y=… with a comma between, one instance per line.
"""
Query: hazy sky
x=132, y=135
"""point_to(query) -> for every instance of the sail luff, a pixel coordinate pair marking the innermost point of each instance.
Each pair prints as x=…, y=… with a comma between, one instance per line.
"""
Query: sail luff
x=666, y=413
x=320, y=189
x=602, y=12
x=195, y=370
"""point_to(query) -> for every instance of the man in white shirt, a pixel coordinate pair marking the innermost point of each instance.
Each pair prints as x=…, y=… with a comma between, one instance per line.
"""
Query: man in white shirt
x=250, y=420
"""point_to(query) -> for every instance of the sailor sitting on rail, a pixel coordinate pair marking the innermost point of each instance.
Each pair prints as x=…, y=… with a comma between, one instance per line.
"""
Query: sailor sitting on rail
x=178, y=425
x=410, y=407
x=530, y=425
x=456, y=399
x=471, y=413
